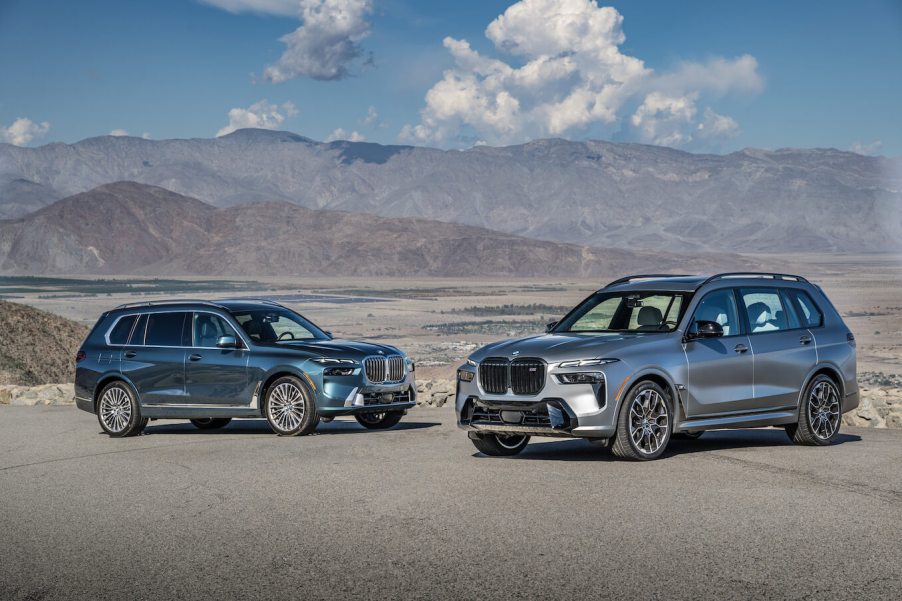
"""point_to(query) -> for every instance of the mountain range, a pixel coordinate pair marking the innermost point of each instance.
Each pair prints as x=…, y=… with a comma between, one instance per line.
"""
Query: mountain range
x=626, y=196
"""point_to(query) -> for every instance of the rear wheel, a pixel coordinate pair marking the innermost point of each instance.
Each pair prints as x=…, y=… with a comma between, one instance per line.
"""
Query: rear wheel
x=211, y=423
x=499, y=445
x=379, y=421
x=118, y=411
x=644, y=424
x=820, y=414
x=289, y=408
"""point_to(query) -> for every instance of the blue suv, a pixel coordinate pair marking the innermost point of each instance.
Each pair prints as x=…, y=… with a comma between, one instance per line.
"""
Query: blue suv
x=210, y=362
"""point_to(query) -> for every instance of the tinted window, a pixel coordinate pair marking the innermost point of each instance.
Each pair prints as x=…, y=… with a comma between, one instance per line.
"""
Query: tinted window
x=209, y=328
x=720, y=307
x=764, y=309
x=138, y=333
x=625, y=312
x=165, y=329
x=812, y=317
x=119, y=333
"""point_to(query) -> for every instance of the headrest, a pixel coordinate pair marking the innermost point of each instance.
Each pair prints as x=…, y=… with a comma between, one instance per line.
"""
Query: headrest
x=759, y=314
x=650, y=316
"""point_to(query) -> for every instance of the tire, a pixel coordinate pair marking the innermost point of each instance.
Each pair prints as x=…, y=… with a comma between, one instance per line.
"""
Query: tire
x=290, y=408
x=645, y=423
x=379, y=421
x=211, y=423
x=820, y=414
x=688, y=435
x=118, y=411
x=495, y=445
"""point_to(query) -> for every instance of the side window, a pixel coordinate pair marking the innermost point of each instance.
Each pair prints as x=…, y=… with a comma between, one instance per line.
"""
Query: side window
x=137, y=338
x=764, y=309
x=599, y=317
x=812, y=317
x=719, y=306
x=208, y=328
x=119, y=333
x=792, y=317
x=165, y=329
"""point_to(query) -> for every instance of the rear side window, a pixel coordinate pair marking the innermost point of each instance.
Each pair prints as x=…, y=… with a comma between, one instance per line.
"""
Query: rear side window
x=165, y=329
x=119, y=333
x=764, y=309
x=811, y=316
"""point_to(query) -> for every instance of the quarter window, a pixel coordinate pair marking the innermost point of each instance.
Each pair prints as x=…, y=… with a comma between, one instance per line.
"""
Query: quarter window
x=720, y=307
x=764, y=309
x=119, y=333
x=812, y=317
x=165, y=329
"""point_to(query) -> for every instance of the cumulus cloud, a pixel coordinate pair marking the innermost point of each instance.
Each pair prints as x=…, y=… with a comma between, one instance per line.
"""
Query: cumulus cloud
x=567, y=73
x=118, y=133
x=327, y=42
x=371, y=119
x=867, y=148
x=343, y=134
x=262, y=115
x=146, y=135
x=283, y=8
x=22, y=131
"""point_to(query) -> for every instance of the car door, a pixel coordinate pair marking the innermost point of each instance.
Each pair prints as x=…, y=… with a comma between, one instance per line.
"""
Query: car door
x=720, y=371
x=154, y=358
x=216, y=376
x=784, y=351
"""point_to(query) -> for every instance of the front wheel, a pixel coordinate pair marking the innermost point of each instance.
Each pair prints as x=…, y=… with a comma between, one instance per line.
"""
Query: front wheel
x=118, y=411
x=644, y=424
x=289, y=408
x=820, y=414
x=379, y=421
x=499, y=445
x=211, y=423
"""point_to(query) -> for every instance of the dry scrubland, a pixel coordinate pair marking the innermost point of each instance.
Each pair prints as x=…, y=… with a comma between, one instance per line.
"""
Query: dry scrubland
x=440, y=321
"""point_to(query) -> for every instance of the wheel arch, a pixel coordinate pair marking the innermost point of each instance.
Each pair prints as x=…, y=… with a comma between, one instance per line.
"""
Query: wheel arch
x=661, y=379
x=108, y=378
x=282, y=371
x=828, y=370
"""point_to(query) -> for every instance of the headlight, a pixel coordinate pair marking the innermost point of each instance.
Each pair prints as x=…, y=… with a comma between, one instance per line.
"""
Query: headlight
x=331, y=361
x=586, y=362
x=464, y=375
x=411, y=366
x=339, y=371
x=581, y=377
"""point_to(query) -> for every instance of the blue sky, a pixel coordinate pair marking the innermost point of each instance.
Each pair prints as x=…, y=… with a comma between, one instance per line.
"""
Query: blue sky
x=704, y=76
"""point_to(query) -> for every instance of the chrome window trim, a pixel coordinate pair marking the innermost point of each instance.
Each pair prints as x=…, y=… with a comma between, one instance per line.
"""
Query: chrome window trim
x=106, y=336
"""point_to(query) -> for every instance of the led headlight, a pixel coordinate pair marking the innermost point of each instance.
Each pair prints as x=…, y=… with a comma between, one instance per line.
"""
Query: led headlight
x=338, y=371
x=464, y=375
x=586, y=362
x=331, y=361
x=581, y=377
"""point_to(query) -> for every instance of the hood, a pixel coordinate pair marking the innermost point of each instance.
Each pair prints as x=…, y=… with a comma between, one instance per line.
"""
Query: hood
x=566, y=346
x=340, y=349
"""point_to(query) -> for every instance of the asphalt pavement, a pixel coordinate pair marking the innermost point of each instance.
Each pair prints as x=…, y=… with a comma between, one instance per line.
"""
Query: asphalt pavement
x=415, y=512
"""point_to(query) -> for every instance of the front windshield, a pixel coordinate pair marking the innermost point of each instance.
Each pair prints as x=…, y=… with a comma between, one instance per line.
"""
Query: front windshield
x=625, y=312
x=276, y=324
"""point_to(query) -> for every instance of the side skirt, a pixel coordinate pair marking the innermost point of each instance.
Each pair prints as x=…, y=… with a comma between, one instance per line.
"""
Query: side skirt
x=754, y=420
x=197, y=411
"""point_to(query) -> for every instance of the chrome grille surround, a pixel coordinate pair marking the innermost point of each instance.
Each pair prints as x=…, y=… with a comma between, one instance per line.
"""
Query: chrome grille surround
x=380, y=370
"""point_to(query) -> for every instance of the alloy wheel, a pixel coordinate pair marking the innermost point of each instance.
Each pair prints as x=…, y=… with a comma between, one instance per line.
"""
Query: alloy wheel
x=115, y=409
x=287, y=406
x=648, y=421
x=823, y=410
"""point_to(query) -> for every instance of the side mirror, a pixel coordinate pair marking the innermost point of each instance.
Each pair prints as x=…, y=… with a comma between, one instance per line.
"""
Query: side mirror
x=550, y=326
x=705, y=329
x=227, y=342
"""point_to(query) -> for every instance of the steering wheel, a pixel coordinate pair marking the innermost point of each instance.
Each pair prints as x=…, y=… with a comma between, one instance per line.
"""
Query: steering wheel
x=283, y=334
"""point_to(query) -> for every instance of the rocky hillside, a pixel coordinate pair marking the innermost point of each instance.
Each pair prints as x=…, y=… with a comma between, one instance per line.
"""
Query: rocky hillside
x=595, y=193
x=130, y=228
x=36, y=347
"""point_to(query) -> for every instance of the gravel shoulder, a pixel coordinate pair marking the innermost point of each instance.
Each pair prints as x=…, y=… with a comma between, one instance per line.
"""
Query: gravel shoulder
x=415, y=513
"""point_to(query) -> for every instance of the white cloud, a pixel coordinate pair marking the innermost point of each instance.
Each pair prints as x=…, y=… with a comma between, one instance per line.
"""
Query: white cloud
x=118, y=133
x=867, y=149
x=284, y=8
x=262, y=115
x=569, y=74
x=146, y=135
x=22, y=131
x=372, y=118
x=327, y=42
x=343, y=134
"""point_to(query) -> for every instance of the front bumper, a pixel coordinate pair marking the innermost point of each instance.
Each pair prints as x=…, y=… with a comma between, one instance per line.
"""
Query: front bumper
x=345, y=399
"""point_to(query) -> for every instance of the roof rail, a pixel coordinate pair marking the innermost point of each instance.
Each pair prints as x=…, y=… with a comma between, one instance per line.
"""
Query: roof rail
x=754, y=274
x=184, y=301
x=251, y=299
x=647, y=276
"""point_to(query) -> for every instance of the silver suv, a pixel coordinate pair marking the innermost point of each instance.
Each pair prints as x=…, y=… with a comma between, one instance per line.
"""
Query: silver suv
x=648, y=357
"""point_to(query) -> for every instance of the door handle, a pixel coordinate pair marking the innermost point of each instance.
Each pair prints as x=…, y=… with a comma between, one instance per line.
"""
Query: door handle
x=741, y=348
x=805, y=340
x=195, y=357
x=130, y=354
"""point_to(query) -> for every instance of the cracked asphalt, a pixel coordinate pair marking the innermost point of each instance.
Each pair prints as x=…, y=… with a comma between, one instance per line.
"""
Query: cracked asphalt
x=415, y=512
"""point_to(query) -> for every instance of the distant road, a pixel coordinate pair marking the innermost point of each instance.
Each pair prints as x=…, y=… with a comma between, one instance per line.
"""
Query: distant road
x=415, y=513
